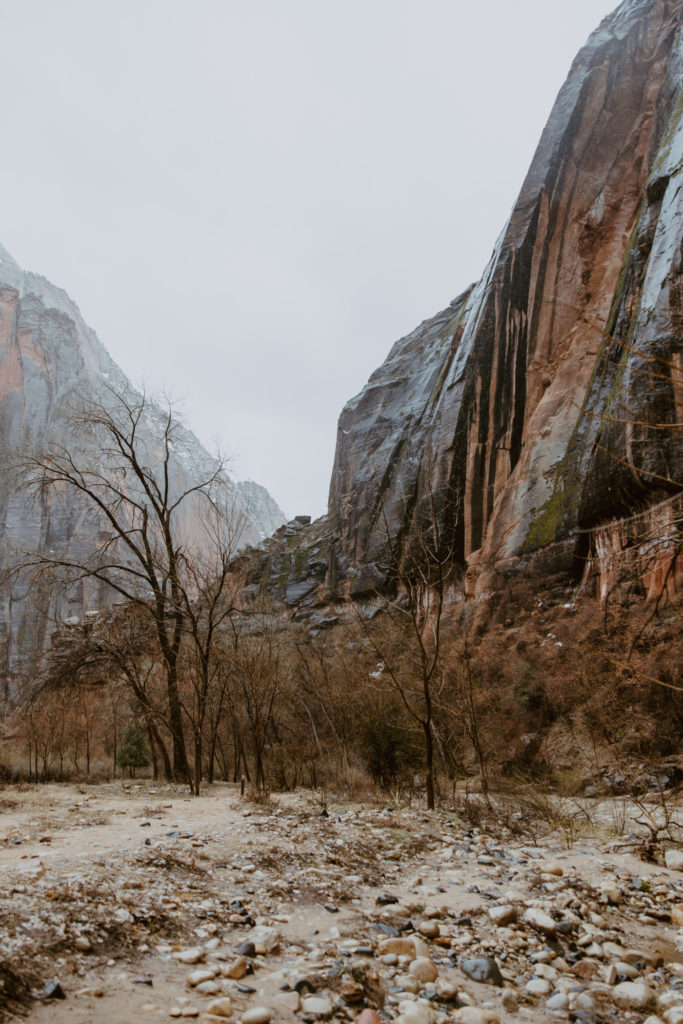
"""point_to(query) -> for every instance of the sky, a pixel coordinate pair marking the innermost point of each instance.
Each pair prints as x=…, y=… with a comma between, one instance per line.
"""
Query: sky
x=251, y=200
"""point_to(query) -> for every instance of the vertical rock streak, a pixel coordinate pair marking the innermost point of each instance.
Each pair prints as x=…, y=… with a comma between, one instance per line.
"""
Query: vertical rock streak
x=535, y=404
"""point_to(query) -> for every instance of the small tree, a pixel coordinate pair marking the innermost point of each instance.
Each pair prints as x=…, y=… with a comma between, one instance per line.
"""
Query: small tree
x=133, y=751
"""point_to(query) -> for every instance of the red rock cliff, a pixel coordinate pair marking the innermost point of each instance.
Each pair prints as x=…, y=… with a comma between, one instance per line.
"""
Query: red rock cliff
x=546, y=399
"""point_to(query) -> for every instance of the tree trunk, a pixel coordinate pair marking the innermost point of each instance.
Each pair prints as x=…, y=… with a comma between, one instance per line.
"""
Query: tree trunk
x=429, y=763
x=154, y=732
x=181, y=768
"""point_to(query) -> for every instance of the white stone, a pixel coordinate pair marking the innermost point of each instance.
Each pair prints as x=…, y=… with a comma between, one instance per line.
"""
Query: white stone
x=502, y=916
x=257, y=1015
x=476, y=1015
x=674, y=860
x=539, y=920
x=538, y=987
x=319, y=1006
x=632, y=995
x=408, y=983
x=551, y=867
x=190, y=956
x=208, y=988
x=220, y=1007
x=669, y=998
x=266, y=940
x=287, y=1001
x=197, y=977
x=581, y=1001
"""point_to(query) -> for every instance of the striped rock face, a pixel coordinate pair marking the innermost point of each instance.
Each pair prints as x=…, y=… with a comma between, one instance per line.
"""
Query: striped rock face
x=543, y=400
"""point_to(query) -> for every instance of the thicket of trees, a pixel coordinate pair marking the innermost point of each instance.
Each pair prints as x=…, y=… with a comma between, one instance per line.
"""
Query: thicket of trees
x=192, y=674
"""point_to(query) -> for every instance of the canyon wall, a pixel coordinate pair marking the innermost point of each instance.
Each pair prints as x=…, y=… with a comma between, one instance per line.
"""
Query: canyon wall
x=546, y=399
x=49, y=360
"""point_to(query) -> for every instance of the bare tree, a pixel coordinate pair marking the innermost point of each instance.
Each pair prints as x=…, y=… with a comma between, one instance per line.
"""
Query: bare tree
x=120, y=466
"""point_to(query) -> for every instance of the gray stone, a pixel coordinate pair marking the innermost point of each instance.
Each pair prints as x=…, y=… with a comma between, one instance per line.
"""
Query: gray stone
x=483, y=969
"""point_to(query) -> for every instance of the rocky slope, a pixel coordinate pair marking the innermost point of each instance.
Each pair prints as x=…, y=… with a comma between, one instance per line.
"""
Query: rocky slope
x=48, y=357
x=547, y=398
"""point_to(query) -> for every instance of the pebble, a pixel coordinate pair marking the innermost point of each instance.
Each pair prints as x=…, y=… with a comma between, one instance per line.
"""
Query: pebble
x=220, y=1007
x=83, y=944
x=551, y=867
x=509, y=1001
x=483, y=969
x=208, y=988
x=413, y=1013
x=476, y=1015
x=236, y=970
x=538, y=987
x=195, y=978
x=318, y=1006
x=399, y=947
x=290, y=1001
x=502, y=916
x=53, y=990
x=677, y=914
x=368, y=1017
x=257, y=1015
x=430, y=929
x=674, y=860
x=666, y=1000
x=446, y=991
x=423, y=970
x=407, y=983
x=190, y=956
x=91, y=992
x=539, y=920
x=560, y=1001
x=632, y=995
x=638, y=956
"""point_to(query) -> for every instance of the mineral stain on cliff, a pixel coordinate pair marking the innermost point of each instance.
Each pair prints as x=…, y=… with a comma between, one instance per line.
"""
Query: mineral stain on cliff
x=545, y=400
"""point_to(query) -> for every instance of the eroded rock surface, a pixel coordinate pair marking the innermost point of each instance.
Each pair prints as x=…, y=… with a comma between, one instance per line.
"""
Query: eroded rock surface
x=545, y=398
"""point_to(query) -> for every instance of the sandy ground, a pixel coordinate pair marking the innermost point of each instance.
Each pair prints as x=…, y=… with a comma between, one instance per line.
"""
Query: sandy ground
x=142, y=873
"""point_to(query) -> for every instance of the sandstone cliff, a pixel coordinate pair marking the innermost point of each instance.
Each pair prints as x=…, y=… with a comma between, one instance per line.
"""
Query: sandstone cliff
x=547, y=398
x=48, y=356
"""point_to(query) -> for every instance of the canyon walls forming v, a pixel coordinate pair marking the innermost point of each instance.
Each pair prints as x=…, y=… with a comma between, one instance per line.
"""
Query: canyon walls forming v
x=546, y=399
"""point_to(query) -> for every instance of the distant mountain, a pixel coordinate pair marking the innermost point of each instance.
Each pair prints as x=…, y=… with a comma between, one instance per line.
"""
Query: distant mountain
x=49, y=357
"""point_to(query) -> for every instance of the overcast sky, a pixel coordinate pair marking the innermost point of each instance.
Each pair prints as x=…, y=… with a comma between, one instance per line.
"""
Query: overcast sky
x=251, y=200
